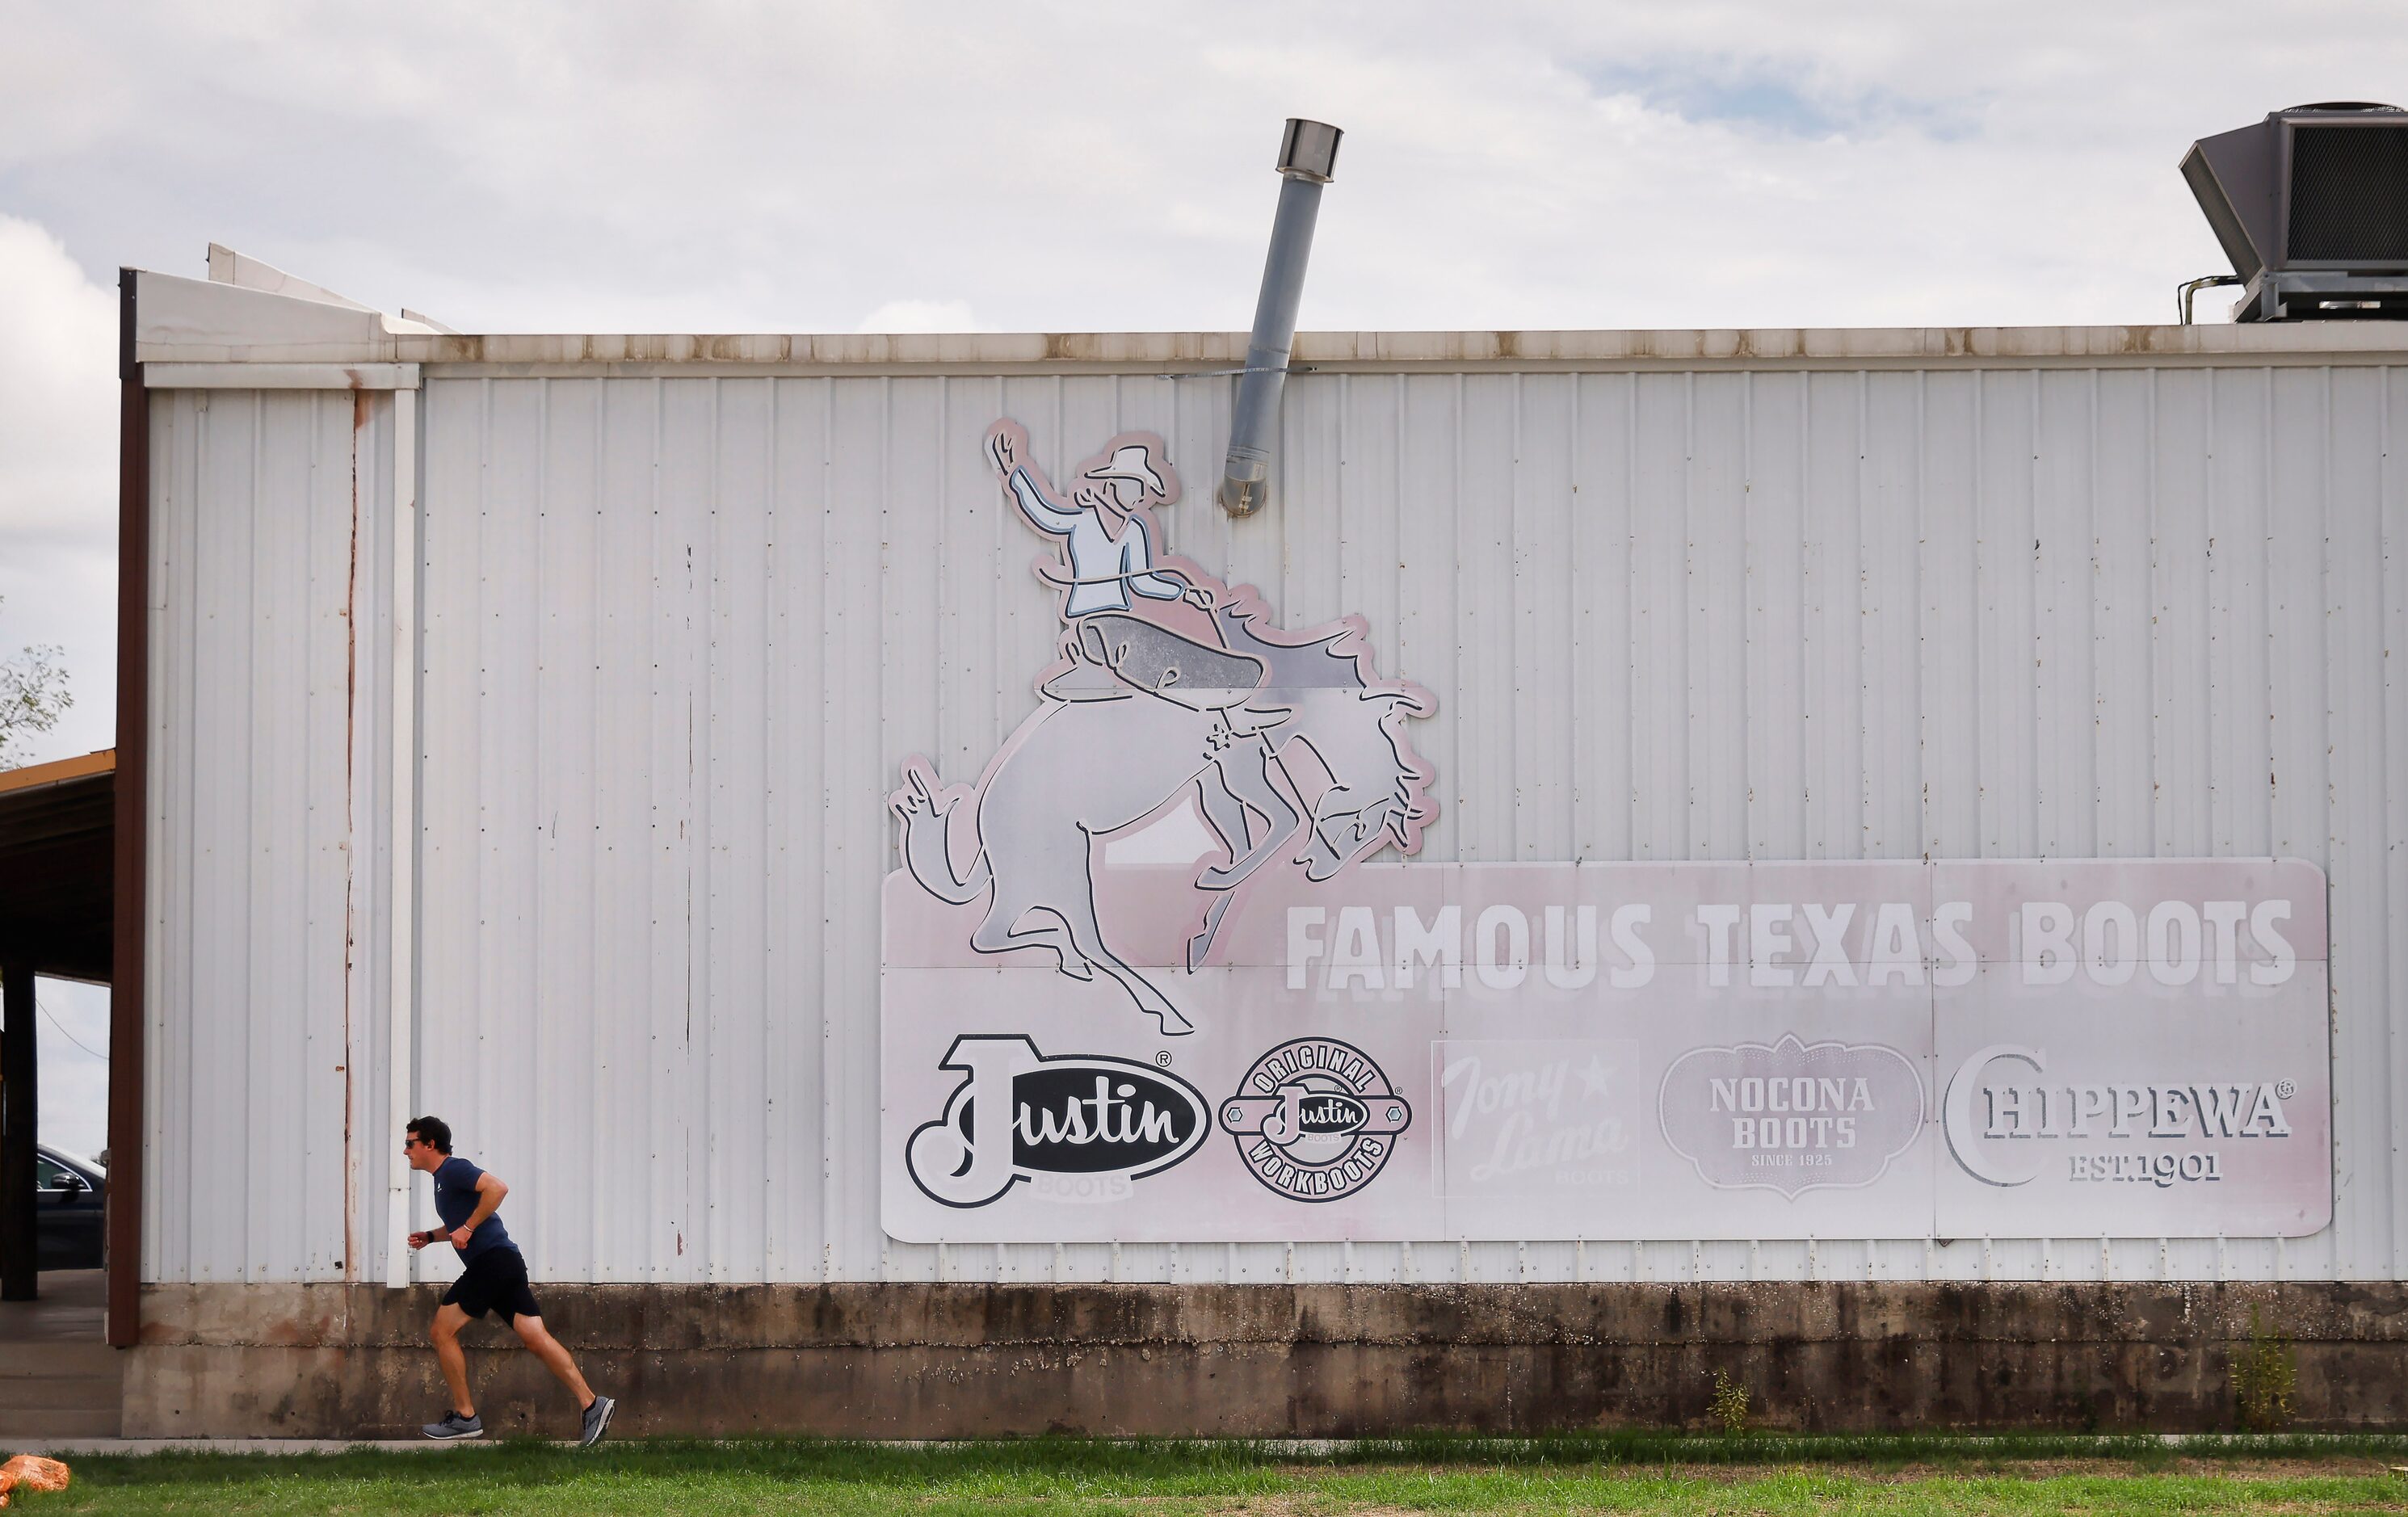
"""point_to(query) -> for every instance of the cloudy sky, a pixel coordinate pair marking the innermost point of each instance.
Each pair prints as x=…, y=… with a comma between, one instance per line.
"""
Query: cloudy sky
x=701, y=167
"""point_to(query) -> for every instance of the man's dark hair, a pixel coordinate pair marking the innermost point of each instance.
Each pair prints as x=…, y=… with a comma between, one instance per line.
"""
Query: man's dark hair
x=432, y=1131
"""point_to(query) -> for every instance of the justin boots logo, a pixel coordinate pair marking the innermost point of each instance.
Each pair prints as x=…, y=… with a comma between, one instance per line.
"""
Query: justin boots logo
x=1315, y=1120
x=1018, y=1115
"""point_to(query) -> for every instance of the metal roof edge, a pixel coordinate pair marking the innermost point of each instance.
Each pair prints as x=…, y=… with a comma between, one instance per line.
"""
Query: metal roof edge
x=58, y=771
x=177, y=320
x=198, y=322
x=1206, y=352
x=229, y=266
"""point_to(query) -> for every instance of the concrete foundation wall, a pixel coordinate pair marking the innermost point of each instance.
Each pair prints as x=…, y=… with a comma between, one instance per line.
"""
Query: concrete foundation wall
x=955, y=1360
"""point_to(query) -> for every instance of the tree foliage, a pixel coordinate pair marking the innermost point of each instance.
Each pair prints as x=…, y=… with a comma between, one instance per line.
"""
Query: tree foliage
x=34, y=695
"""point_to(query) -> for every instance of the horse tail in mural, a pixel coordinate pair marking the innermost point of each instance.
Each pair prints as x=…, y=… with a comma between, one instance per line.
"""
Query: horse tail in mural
x=927, y=833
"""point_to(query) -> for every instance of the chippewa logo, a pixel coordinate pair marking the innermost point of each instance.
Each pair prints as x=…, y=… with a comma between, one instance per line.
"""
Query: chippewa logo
x=1315, y=1120
x=1018, y=1115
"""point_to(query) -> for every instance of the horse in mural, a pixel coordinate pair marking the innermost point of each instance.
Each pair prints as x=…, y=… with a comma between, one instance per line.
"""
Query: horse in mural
x=1078, y=769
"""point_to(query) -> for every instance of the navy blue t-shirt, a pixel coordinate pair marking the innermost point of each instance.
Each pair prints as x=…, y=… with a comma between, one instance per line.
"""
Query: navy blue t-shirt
x=455, y=1198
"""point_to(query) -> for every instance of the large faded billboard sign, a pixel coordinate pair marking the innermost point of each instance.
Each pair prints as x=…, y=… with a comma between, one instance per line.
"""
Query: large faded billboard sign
x=1143, y=982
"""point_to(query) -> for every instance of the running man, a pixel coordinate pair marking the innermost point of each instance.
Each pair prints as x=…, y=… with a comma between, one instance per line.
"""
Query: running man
x=494, y=1280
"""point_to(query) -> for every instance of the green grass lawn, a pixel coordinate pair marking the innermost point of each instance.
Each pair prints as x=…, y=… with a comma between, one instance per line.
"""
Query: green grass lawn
x=1637, y=1473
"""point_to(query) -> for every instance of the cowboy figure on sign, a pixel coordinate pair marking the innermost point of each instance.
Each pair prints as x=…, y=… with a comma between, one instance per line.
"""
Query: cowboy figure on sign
x=1132, y=625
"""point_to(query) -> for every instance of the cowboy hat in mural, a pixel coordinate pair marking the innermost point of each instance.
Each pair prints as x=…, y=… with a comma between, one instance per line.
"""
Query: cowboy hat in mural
x=1169, y=689
x=1133, y=462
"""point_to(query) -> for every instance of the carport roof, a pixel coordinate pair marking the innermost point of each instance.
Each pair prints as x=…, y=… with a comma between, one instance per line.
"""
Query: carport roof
x=57, y=830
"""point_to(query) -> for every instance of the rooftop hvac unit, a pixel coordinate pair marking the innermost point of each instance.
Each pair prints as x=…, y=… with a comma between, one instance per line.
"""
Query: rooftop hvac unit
x=2311, y=206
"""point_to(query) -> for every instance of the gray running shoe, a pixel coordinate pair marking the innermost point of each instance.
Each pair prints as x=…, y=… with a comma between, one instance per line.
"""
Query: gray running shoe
x=455, y=1425
x=597, y=1422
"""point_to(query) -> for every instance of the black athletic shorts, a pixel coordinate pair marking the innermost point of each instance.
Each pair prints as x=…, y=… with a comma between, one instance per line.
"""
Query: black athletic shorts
x=495, y=1281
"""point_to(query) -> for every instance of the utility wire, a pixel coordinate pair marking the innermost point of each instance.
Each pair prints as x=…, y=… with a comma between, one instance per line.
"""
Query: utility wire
x=64, y=1033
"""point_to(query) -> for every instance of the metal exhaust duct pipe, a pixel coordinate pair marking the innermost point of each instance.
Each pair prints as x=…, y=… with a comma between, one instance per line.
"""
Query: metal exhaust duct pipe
x=1308, y=157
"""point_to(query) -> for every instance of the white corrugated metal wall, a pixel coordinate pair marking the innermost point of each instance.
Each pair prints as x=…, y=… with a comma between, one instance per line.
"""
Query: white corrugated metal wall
x=268, y=834
x=679, y=629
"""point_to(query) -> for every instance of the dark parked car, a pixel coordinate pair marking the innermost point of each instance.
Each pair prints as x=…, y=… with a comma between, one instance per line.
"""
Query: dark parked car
x=68, y=1209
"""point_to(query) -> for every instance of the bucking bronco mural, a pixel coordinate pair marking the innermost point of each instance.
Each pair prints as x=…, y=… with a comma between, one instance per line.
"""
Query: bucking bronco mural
x=1168, y=685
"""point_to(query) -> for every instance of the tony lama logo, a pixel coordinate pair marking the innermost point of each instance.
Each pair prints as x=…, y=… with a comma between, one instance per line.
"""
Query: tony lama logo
x=1018, y=1115
x=1315, y=1119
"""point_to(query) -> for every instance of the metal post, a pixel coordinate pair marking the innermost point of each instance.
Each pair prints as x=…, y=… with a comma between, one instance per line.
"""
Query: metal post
x=1308, y=156
x=129, y=973
x=19, y=1105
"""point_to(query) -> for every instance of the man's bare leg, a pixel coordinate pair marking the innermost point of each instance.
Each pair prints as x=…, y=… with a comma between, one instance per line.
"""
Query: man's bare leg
x=449, y=1320
x=547, y=1348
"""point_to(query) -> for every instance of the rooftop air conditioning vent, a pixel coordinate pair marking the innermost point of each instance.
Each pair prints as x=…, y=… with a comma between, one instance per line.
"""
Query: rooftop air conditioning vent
x=2311, y=206
x=2349, y=194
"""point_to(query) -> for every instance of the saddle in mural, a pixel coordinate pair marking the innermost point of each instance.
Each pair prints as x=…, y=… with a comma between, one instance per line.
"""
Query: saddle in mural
x=1169, y=689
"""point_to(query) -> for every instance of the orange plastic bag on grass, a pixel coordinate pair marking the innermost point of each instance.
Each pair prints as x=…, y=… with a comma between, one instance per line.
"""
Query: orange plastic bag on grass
x=32, y=1472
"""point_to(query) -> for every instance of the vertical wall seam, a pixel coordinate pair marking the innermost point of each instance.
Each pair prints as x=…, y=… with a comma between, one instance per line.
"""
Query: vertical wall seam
x=1631, y=609
x=654, y=1269
x=2268, y=783
x=242, y=1267
x=1923, y=696
x=1682, y=598
x=2154, y=505
x=1985, y=839
x=483, y=649
x=773, y=820
x=827, y=1022
x=1815, y=843
x=2207, y=589
x=1860, y=845
x=2335, y=942
x=1577, y=790
x=538, y=1068
x=1455, y=649
x=1515, y=618
x=1748, y=685
x=2034, y=569
x=2097, y=803
x=596, y=1062
x=701, y=936
x=886, y=598
x=2396, y=849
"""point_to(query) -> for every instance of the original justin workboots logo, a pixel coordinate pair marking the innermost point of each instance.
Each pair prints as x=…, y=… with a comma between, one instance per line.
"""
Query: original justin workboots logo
x=1315, y=1119
x=1018, y=1115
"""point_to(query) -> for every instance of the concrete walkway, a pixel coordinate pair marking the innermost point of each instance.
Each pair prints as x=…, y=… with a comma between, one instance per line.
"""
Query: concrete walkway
x=59, y=1378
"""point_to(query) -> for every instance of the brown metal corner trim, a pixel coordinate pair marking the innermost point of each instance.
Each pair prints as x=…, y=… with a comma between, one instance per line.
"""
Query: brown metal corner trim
x=127, y=1132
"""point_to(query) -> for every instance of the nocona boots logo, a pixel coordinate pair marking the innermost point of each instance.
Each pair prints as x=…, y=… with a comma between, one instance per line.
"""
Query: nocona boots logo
x=1315, y=1119
x=1018, y=1115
